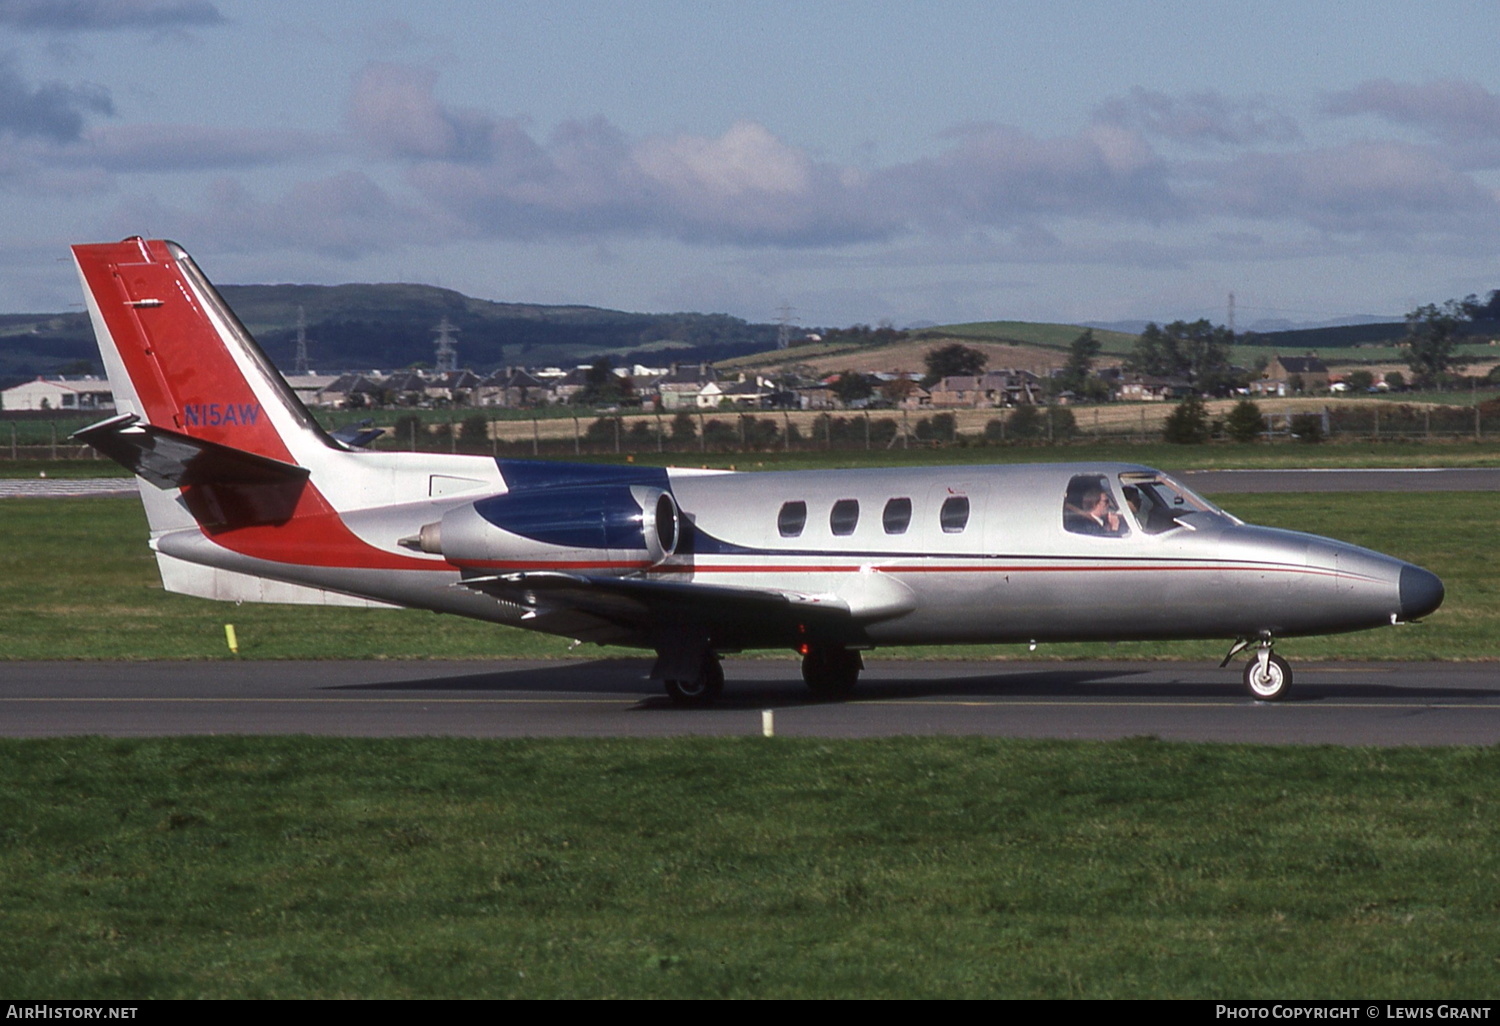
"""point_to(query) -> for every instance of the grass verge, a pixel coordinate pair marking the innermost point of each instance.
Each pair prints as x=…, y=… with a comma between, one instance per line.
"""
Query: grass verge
x=915, y=867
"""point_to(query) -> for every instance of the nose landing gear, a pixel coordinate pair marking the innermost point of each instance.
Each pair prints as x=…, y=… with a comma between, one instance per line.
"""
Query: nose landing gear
x=1268, y=677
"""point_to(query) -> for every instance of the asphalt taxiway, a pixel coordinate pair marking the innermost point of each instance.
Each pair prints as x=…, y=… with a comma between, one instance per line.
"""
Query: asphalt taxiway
x=1335, y=703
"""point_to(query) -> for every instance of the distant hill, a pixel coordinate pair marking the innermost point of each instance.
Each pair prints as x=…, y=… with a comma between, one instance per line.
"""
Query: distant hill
x=1341, y=337
x=1026, y=345
x=367, y=326
x=358, y=326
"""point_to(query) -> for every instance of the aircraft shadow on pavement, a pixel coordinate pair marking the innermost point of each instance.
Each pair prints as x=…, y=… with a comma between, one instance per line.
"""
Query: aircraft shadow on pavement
x=780, y=684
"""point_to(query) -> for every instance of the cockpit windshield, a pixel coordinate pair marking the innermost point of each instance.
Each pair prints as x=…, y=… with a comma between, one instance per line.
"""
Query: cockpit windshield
x=1160, y=504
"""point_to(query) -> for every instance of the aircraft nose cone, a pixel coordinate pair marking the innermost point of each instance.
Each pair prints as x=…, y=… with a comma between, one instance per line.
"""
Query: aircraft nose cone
x=1421, y=592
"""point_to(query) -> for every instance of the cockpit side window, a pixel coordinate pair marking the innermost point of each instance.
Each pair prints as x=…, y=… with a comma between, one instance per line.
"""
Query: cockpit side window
x=792, y=518
x=1160, y=504
x=1089, y=508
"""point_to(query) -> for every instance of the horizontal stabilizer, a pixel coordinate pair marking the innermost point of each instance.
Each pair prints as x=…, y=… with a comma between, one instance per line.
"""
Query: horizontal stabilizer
x=169, y=459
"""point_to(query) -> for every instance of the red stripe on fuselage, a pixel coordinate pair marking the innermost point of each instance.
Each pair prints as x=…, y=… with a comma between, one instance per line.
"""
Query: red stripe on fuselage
x=783, y=568
x=315, y=535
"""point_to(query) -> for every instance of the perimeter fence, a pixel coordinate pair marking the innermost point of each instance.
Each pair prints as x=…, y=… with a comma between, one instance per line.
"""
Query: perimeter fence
x=596, y=433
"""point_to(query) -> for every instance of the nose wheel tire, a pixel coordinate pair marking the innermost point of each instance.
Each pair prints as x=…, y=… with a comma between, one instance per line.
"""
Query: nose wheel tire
x=1272, y=685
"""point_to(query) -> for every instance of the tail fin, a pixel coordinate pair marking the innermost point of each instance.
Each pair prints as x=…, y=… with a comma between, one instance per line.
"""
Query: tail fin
x=179, y=359
x=230, y=461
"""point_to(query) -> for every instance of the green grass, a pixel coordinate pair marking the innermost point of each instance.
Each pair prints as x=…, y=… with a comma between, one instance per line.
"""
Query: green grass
x=80, y=583
x=299, y=867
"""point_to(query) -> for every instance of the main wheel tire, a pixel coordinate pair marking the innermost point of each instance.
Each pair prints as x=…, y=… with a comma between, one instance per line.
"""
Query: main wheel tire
x=704, y=691
x=831, y=672
x=1274, y=684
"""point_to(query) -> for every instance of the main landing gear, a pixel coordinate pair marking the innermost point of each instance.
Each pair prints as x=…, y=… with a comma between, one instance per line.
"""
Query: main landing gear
x=699, y=690
x=694, y=682
x=831, y=672
x=1268, y=677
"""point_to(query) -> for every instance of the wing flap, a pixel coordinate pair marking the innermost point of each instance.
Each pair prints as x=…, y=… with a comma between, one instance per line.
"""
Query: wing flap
x=734, y=617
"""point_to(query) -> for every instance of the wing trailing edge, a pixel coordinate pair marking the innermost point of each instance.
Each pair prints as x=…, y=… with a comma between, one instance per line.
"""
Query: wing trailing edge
x=734, y=617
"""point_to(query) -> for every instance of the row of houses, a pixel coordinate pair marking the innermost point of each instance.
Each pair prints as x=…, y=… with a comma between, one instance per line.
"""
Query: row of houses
x=674, y=389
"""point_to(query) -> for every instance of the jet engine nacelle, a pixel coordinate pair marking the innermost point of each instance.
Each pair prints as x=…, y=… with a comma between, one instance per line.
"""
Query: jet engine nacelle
x=602, y=528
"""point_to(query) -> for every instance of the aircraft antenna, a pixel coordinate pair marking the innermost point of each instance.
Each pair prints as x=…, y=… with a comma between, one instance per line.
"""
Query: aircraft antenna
x=447, y=352
x=302, y=361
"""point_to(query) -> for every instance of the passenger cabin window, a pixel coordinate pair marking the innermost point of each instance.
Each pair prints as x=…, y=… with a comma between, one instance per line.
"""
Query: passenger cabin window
x=954, y=516
x=1089, y=508
x=897, y=516
x=792, y=518
x=845, y=516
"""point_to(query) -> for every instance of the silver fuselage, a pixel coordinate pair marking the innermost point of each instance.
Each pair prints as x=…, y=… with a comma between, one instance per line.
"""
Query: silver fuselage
x=1014, y=572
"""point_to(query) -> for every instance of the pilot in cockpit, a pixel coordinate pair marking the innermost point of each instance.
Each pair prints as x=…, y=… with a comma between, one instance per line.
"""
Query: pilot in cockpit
x=1101, y=511
x=1094, y=512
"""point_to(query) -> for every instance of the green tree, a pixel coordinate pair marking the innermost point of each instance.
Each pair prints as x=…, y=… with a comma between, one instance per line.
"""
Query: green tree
x=1188, y=423
x=1198, y=352
x=1432, y=336
x=1024, y=423
x=954, y=359
x=1061, y=422
x=684, y=428
x=1077, y=375
x=474, y=431
x=1395, y=381
x=852, y=386
x=1244, y=423
x=1359, y=380
x=409, y=432
x=1307, y=427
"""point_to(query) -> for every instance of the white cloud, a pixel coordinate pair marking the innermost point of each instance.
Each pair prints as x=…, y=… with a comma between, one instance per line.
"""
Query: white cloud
x=1200, y=118
x=1358, y=187
x=1451, y=109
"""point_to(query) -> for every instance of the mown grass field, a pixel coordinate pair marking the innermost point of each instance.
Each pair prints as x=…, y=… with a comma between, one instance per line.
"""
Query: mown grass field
x=80, y=583
x=749, y=867
x=300, y=867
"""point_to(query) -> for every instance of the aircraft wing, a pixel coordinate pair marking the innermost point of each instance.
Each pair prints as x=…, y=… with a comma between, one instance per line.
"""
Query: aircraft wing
x=734, y=617
x=169, y=459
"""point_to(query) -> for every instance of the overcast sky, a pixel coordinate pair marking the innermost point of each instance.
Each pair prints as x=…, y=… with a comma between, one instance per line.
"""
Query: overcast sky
x=858, y=160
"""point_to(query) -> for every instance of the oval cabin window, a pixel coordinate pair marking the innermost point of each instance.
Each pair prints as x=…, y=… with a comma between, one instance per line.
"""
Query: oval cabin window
x=792, y=518
x=845, y=517
x=954, y=515
x=897, y=516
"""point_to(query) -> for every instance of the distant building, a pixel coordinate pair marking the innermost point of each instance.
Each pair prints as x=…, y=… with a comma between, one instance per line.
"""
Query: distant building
x=1149, y=388
x=512, y=387
x=993, y=388
x=679, y=390
x=84, y=393
x=1285, y=375
x=309, y=387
